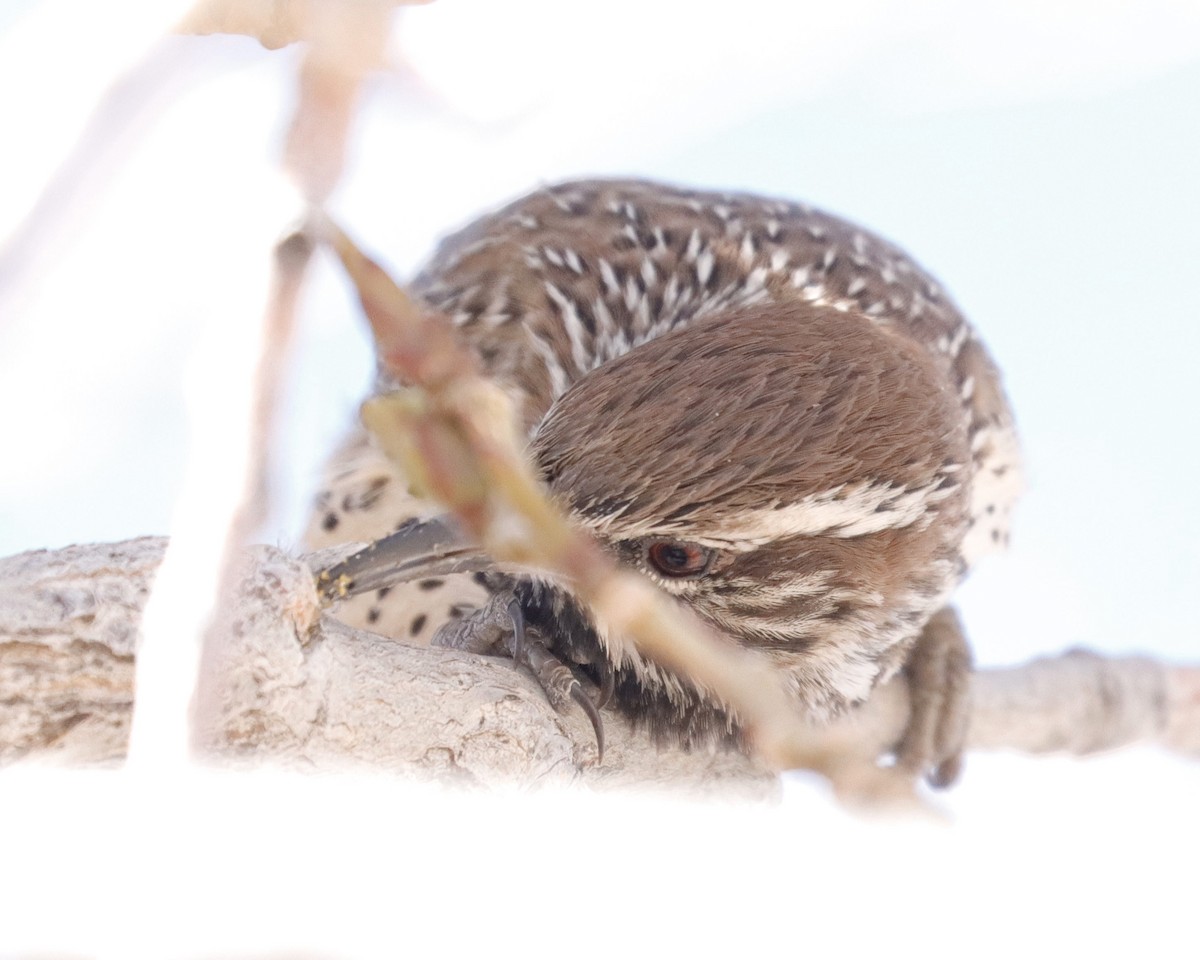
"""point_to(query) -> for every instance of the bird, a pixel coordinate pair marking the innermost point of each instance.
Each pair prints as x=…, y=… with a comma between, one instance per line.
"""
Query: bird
x=778, y=417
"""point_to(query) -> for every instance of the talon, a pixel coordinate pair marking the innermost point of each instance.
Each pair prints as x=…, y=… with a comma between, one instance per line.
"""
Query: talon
x=555, y=678
x=593, y=714
x=608, y=683
x=517, y=615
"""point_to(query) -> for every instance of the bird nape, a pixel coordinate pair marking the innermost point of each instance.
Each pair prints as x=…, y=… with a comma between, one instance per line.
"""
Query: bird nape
x=777, y=417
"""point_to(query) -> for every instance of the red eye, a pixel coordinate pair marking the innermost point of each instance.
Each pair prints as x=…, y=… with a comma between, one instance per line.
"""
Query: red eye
x=674, y=559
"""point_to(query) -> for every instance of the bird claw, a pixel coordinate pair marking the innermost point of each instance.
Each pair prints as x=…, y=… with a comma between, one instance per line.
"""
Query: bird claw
x=557, y=681
x=593, y=714
x=481, y=631
x=608, y=684
x=500, y=625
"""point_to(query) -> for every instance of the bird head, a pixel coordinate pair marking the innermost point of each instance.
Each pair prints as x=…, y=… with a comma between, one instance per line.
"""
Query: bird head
x=796, y=474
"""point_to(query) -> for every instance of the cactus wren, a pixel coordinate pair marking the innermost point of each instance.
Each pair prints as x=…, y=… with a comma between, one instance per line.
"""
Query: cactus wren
x=778, y=417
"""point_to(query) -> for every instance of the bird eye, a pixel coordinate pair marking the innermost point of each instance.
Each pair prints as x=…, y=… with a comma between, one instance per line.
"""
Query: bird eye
x=678, y=560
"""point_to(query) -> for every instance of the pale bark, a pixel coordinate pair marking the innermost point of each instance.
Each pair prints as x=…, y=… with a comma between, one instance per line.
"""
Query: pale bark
x=290, y=684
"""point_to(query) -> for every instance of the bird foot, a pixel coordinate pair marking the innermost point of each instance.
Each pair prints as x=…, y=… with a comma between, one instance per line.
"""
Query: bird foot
x=499, y=626
x=939, y=672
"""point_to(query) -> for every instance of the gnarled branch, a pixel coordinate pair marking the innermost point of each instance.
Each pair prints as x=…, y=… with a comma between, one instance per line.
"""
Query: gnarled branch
x=289, y=684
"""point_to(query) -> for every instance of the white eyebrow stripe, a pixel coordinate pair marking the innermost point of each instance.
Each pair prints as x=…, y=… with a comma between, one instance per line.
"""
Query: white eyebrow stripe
x=841, y=512
x=836, y=513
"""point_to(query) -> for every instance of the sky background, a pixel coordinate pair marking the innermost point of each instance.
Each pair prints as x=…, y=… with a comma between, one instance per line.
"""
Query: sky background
x=1041, y=159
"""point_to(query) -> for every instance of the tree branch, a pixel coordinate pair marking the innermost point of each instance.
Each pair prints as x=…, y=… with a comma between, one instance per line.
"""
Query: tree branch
x=293, y=685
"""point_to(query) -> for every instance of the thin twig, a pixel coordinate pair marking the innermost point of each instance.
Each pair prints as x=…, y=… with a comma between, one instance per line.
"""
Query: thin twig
x=345, y=43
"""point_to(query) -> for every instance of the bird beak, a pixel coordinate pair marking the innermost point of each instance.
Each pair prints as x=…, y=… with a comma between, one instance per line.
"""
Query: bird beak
x=419, y=549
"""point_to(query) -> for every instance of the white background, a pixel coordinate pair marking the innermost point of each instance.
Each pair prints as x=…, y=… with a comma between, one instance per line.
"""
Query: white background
x=1042, y=159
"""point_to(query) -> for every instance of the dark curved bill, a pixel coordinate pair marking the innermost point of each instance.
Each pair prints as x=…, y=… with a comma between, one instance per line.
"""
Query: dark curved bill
x=420, y=548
